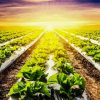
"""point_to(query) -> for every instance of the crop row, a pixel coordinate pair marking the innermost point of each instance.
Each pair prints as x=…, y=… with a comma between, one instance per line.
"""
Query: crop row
x=6, y=36
x=33, y=82
x=91, y=49
x=89, y=34
x=7, y=50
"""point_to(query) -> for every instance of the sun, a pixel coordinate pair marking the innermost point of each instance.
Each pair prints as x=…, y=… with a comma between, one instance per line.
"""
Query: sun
x=49, y=27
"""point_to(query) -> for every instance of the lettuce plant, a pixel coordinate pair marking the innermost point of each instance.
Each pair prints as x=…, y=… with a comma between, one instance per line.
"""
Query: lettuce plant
x=70, y=85
x=63, y=66
x=33, y=74
x=29, y=89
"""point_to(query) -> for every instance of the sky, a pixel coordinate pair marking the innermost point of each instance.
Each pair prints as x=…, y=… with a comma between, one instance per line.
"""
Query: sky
x=36, y=11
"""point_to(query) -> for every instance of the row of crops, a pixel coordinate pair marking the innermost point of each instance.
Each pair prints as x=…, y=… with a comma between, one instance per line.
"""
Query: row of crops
x=8, y=35
x=7, y=50
x=89, y=34
x=91, y=49
x=33, y=81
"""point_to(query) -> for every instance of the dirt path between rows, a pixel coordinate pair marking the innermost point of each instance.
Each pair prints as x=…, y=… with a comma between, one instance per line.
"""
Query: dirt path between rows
x=90, y=74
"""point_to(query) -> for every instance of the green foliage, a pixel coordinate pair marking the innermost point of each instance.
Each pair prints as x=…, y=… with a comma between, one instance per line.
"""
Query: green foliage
x=29, y=89
x=7, y=50
x=72, y=85
x=63, y=66
x=17, y=89
x=38, y=87
x=2, y=56
x=36, y=61
x=8, y=35
x=53, y=79
x=33, y=74
x=97, y=57
x=87, y=46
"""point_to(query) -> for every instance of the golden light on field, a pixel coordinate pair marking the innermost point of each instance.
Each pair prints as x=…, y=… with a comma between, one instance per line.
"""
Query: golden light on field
x=49, y=27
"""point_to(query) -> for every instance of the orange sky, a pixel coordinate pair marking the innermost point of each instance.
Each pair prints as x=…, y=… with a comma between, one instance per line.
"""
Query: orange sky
x=30, y=11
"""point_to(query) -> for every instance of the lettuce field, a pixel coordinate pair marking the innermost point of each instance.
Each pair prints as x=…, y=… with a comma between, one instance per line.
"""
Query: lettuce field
x=49, y=63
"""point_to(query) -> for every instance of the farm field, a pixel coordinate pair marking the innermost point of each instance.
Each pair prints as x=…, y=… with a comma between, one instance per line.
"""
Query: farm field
x=91, y=49
x=49, y=49
x=49, y=63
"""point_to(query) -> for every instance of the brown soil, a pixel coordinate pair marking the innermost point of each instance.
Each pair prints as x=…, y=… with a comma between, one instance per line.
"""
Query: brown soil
x=87, y=70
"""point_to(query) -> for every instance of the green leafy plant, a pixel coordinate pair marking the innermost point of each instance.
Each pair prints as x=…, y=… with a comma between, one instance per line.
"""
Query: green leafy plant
x=26, y=90
x=53, y=79
x=63, y=66
x=34, y=61
x=17, y=89
x=70, y=85
x=97, y=57
x=38, y=87
x=34, y=74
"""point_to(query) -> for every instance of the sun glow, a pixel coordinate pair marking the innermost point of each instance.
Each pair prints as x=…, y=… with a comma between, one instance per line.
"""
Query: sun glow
x=49, y=27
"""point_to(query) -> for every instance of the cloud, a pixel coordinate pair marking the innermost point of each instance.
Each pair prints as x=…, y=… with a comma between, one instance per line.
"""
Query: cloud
x=23, y=1
x=88, y=1
x=43, y=10
x=34, y=2
x=10, y=1
x=38, y=0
